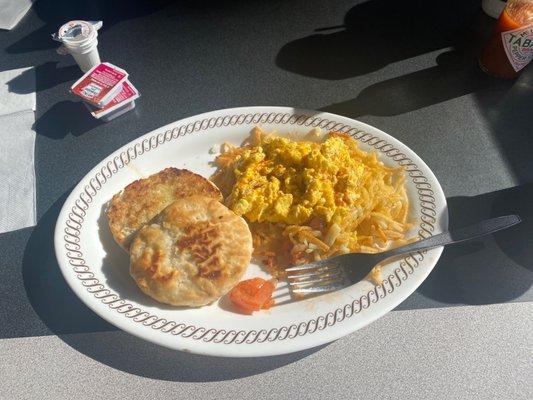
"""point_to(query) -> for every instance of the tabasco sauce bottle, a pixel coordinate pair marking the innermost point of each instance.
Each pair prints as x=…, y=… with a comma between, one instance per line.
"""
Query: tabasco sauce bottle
x=510, y=47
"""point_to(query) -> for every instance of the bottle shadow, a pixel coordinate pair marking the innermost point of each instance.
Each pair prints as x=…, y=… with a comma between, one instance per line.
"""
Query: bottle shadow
x=508, y=113
x=375, y=34
x=494, y=269
x=452, y=77
x=379, y=33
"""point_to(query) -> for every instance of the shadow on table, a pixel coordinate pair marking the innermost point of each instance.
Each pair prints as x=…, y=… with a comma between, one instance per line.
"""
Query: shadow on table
x=43, y=77
x=55, y=13
x=47, y=291
x=476, y=273
x=495, y=269
x=455, y=75
x=64, y=118
x=508, y=114
x=135, y=356
x=374, y=35
x=66, y=316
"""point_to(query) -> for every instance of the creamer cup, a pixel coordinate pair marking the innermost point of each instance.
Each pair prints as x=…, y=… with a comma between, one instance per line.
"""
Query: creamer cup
x=80, y=39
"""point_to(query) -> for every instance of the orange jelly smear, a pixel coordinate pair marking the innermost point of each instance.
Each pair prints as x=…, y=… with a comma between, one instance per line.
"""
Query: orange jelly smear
x=494, y=60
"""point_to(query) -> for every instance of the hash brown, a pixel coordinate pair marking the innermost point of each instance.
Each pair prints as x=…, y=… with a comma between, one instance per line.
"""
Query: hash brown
x=192, y=253
x=143, y=199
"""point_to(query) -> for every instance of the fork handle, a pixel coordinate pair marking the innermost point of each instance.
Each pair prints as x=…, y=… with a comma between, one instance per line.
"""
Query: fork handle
x=482, y=228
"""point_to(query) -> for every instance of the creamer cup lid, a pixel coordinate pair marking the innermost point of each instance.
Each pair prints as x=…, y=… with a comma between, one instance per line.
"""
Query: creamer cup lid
x=77, y=32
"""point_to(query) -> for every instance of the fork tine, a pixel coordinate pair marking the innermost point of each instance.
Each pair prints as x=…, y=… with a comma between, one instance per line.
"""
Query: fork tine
x=317, y=272
x=321, y=277
x=313, y=265
x=320, y=289
x=298, y=268
x=323, y=281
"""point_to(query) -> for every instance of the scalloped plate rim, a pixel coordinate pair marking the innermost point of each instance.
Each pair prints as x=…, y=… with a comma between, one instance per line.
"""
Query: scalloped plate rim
x=268, y=348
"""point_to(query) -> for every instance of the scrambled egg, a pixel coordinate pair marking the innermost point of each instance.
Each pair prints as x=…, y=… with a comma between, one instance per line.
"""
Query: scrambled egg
x=313, y=199
x=283, y=181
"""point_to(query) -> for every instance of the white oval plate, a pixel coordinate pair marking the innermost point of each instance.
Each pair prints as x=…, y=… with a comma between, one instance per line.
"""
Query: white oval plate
x=97, y=269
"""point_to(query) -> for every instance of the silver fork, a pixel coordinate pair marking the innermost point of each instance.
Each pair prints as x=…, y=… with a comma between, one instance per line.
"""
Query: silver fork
x=338, y=272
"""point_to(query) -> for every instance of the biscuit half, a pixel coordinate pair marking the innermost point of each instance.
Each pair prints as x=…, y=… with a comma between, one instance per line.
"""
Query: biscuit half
x=143, y=199
x=192, y=253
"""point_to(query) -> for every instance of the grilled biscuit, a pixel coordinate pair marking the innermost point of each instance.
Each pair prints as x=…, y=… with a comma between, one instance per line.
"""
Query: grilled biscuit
x=143, y=199
x=192, y=253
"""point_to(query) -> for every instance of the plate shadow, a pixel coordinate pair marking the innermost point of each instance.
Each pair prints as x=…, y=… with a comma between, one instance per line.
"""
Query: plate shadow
x=80, y=328
x=497, y=269
x=130, y=354
x=47, y=291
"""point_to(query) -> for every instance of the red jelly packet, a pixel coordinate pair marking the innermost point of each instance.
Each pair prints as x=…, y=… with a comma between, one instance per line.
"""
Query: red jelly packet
x=100, y=84
x=126, y=95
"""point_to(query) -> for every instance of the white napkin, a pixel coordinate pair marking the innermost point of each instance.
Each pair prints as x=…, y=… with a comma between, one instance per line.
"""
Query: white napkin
x=17, y=90
x=12, y=11
x=17, y=142
x=17, y=172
